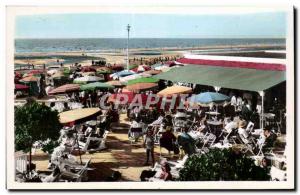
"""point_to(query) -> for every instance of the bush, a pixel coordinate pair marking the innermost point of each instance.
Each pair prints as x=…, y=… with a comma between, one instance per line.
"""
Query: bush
x=222, y=165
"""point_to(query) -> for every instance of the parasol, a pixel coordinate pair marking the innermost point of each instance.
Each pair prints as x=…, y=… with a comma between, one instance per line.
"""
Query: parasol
x=209, y=98
x=115, y=83
x=77, y=114
x=96, y=85
x=87, y=79
x=143, y=80
x=65, y=88
x=29, y=79
x=141, y=86
x=21, y=87
x=176, y=89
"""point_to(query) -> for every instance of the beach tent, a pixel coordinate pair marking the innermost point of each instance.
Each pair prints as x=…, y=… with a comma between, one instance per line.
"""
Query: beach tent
x=87, y=79
x=96, y=85
x=20, y=87
x=175, y=89
x=143, y=80
x=77, y=114
x=65, y=88
x=137, y=87
x=208, y=98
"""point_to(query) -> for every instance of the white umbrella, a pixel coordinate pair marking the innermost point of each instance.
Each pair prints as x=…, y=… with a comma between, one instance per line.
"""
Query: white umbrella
x=130, y=77
x=88, y=79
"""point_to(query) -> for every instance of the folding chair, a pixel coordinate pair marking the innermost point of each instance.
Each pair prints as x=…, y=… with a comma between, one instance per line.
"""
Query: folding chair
x=250, y=127
x=277, y=174
x=209, y=140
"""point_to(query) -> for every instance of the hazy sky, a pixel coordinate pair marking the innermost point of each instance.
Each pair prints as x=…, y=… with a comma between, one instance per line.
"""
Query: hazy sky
x=254, y=25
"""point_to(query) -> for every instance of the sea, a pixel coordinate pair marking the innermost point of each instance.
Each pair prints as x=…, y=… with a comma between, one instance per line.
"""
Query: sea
x=110, y=44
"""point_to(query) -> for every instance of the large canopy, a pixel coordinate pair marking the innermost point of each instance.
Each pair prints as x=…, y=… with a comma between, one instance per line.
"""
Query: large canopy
x=29, y=79
x=77, y=114
x=175, y=89
x=233, y=78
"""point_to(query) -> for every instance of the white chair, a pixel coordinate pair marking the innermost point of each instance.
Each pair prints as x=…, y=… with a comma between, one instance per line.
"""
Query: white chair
x=209, y=139
x=250, y=127
x=277, y=174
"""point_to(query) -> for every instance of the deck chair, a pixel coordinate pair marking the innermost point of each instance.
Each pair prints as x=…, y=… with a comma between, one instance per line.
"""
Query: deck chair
x=135, y=134
x=247, y=143
x=277, y=174
x=209, y=140
x=80, y=176
x=250, y=127
x=84, y=146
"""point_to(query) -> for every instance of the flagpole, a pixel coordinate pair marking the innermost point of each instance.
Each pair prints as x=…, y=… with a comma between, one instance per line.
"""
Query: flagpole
x=128, y=29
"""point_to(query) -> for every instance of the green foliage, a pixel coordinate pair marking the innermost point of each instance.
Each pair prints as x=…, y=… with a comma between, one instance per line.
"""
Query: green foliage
x=221, y=165
x=49, y=146
x=35, y=122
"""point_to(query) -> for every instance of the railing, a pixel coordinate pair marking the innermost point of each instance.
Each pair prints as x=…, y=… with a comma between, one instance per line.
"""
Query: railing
x=21, y=160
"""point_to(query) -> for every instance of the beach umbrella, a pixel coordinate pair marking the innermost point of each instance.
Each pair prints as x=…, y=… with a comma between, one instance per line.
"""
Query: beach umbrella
x=209, y=98
x=88, y=69
x=88, y=74
x=77, y=114
x=122, y=73
x=141, y=68
x=175, y=89
x=37, y=71
x=152, y=72
x=137, y=87
x=58, y=75
x=52, y=71
x=143, y=80
x=130, y=77
x=115, y=83
x=96, y=85
x=103, y=70
x=65, y=88
x=87, y=79
x=117, y=67
x=19, y=87
x=29, y=79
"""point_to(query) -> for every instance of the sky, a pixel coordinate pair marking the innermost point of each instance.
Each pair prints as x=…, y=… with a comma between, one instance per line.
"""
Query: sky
x=250, y=25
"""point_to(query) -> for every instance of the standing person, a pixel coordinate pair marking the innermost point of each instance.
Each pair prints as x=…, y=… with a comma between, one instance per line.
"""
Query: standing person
x=149, y=145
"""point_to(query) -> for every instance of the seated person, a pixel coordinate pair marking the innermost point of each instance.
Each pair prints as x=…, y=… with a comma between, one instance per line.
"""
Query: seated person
x=231, y=124
x=168, y=139
x=270, y=139
x=202, y=125
x=166, y=172
x=243, y=134
x=186, y=142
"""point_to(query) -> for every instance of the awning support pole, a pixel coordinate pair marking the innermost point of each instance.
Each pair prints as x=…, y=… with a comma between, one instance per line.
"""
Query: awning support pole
x=262, y=94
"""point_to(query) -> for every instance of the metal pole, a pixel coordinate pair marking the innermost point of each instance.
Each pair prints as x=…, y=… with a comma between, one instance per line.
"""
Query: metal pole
x=128, y=29
x=261, y=93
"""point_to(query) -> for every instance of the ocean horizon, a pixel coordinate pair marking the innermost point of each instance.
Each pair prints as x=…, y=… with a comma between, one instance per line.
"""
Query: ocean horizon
x=101, y=44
